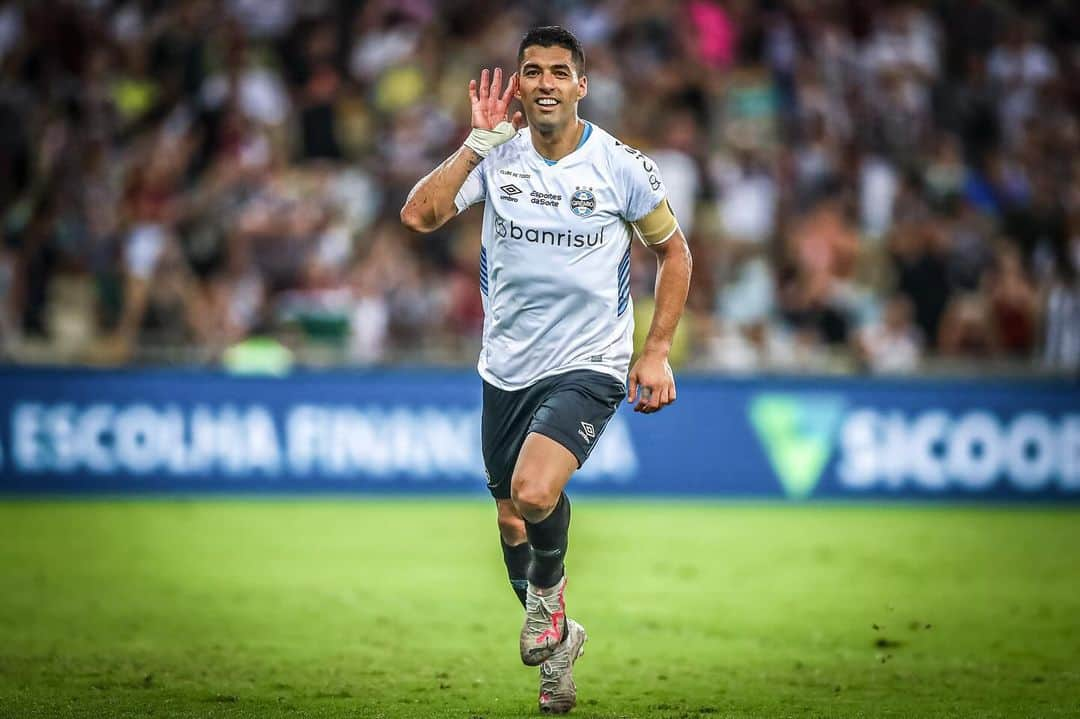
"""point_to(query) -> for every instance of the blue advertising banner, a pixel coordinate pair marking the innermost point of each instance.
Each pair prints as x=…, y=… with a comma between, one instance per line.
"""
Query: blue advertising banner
x=417, y=431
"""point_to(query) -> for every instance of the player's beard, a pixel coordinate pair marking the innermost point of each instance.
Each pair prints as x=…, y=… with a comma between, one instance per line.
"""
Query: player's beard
x=549, y=124
x=546, y=126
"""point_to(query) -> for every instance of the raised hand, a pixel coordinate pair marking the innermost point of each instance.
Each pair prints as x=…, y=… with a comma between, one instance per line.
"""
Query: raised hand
x=489, y=107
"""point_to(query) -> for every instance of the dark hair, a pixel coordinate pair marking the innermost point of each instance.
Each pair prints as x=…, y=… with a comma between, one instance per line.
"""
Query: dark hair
x=553, y=36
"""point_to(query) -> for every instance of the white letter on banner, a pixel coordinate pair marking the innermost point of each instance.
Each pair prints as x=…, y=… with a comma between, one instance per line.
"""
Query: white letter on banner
x=859, y=450
x=203, y=454
x=358, y=447
x=474, y=466
x=305, y=427
x=447, y=438
x=175, y=453
x=891, y=435
x=231, y=443
x=1070, y=452
x=60, y=429
x=26, y=432
x=470, y=423
x=927, y=431
x=1030, y=471
x=349, y=439
x=94, y=421
x=975, y=431
x=264, y=452
x=409, y=452
x=135, y=434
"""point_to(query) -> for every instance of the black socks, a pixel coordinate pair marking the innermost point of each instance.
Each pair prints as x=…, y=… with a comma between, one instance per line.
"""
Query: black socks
x=517, y=566
x=543, y=563
x=548, y=540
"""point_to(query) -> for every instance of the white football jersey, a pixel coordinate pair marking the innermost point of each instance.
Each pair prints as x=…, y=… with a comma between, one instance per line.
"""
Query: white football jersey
x=555, y=256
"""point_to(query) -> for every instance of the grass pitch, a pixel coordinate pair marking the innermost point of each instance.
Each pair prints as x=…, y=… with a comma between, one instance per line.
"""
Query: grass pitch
x=400, y=608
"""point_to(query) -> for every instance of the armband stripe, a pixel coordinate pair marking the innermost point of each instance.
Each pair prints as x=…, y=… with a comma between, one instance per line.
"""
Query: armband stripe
x=658, y=226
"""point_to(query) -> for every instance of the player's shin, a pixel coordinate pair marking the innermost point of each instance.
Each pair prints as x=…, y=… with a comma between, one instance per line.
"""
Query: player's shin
x=545, y=606
x=516, y=559
x=548, y=540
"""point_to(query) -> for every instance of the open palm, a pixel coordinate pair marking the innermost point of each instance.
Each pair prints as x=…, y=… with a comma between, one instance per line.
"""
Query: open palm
x=489, y=108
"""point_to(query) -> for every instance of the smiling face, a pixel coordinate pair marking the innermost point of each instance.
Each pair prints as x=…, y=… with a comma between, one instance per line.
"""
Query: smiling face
x=549, y=87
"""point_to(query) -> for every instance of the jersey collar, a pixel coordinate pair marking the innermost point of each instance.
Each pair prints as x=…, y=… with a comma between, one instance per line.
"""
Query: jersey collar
x=584, y=136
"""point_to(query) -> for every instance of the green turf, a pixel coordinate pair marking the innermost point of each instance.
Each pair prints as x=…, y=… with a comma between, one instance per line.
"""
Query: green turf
x=400, y=608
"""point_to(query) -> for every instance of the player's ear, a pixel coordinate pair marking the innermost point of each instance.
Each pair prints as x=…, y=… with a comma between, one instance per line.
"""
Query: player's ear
x=582, y=87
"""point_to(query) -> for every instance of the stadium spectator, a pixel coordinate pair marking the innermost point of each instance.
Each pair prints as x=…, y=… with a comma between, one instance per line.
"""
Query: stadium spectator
x=892, y=345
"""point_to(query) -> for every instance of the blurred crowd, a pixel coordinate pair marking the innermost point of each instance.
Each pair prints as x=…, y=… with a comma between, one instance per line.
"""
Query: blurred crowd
x=866, y=185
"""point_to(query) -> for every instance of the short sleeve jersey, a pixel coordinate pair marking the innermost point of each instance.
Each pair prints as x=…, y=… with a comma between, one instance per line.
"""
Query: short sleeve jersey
x=555, y=256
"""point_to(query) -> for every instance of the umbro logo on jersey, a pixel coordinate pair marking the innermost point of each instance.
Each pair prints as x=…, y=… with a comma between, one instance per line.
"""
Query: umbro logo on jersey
x=509, y=192
x=587, y=432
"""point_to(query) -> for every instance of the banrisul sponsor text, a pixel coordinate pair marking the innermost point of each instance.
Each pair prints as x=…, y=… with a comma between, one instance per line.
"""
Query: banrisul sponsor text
x=508, y=229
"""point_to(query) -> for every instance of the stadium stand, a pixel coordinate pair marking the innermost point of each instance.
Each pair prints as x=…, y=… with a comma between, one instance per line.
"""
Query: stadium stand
x=886, y=187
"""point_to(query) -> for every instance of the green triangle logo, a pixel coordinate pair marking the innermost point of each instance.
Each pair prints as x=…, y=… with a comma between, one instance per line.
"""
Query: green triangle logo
x=797, y=432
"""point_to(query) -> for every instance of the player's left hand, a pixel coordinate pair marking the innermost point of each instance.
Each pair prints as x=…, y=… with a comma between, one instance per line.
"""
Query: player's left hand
x=489, y=107
x=652, y=375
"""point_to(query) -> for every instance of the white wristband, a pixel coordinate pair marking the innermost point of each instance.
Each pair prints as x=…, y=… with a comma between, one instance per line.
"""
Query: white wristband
x=484, y=141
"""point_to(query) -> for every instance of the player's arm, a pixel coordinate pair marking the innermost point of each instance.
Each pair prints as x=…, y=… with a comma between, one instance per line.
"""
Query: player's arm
x=652, y=373
x=431, y=202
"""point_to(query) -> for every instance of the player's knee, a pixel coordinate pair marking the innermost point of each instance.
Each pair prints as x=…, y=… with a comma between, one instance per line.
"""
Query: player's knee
x=533, y=499
x=512, y=529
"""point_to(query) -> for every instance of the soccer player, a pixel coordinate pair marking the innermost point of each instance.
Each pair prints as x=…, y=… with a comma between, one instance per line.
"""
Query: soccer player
x=563, y=201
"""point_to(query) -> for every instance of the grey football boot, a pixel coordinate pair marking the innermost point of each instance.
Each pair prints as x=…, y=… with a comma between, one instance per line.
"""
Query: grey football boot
x=558, y=693
x=545, y=622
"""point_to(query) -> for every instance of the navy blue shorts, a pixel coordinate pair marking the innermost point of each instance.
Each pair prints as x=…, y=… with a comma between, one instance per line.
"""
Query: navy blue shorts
x=571, y=408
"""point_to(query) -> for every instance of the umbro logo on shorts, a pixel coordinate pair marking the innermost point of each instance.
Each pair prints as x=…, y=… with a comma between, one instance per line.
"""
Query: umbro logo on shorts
x=587, y=432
